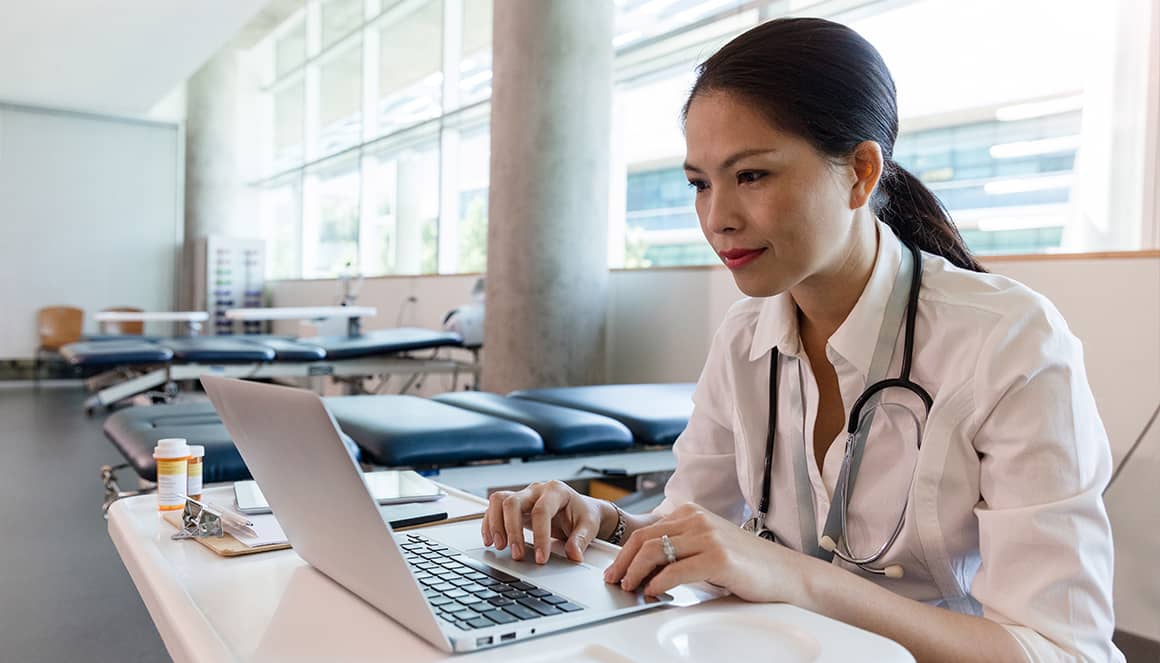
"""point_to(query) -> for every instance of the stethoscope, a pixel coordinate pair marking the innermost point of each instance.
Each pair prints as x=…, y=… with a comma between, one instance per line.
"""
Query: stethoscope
x=833, y=542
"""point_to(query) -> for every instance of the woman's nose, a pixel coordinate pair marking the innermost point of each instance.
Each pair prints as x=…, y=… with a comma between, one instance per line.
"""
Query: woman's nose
x=721, y=215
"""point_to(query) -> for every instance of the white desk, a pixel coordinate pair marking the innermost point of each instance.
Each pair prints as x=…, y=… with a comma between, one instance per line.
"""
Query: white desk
x=192, y=319
x=274, y=607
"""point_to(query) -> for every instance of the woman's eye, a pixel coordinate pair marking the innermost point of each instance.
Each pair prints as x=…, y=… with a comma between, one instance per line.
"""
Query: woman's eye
x=749, y=176
x=698, y=185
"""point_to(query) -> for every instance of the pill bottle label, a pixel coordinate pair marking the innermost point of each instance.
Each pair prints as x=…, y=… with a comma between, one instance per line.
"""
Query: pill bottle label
x=171, y=483
x=193, y=485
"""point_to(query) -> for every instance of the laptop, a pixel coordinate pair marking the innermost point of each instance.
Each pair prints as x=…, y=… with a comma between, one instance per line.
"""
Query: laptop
x=438, y=582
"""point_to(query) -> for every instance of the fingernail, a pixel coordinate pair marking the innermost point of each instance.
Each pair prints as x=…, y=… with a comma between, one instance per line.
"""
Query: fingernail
x=541, y=557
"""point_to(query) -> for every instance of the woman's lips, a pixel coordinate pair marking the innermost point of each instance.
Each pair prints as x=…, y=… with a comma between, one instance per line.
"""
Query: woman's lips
x=738, y=258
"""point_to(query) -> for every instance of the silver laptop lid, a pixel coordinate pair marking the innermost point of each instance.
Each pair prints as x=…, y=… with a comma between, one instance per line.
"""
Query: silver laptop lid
x=293, y=449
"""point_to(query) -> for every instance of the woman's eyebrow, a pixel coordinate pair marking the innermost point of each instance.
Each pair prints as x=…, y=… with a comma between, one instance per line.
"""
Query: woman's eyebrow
x=734, y=158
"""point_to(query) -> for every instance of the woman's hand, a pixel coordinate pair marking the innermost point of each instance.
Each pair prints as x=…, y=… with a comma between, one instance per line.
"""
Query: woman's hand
x=711, y=549
x=551, y=510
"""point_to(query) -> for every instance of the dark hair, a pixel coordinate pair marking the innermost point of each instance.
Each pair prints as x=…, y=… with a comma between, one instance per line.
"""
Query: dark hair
x=822, y=81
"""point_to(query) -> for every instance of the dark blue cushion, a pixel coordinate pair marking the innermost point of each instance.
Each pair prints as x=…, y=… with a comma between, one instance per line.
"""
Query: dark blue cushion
x=408, y=431
x=655, y=413
x=383, y=342
x=217, y=350
x=115, y=353
x=564, y=430
x=289, y=350
x=136, y=430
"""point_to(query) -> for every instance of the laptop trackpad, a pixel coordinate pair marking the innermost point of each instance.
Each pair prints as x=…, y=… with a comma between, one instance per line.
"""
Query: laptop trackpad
x=502, y=559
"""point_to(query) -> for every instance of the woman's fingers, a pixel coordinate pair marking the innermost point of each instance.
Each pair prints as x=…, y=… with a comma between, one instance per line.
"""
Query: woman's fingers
x=582, y=535
x=492, y=526
x=648, y=559
x=513, y=522
x=543, y=511
x=615, y=572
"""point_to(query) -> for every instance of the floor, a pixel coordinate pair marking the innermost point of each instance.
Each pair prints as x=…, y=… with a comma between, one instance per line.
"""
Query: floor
x=66, y=595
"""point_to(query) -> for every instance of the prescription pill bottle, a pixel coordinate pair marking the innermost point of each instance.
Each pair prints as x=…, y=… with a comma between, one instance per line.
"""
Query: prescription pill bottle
x=172, y=456
x=193, y=473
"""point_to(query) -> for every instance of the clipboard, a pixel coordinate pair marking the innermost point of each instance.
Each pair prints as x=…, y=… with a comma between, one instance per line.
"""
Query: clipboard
x=459, y=506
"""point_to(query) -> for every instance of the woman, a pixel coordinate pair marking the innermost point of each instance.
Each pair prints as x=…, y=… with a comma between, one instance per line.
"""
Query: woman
x=975, y=507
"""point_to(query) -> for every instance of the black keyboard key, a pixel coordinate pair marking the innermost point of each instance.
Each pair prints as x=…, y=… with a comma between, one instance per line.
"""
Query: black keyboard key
x=514, y=595
x=553, y=600
x=476, y=576
x=538, y=593
x=439, y=601
x=472, y=588
x=460, y=582
x=490, y=582
x=483, y=606
x=520, y=611
x=485, y=569
x=456, y=594
x=462, y=614
x=539, y=606
x=483, y=593
x=436, y=547
x=568, y=607
x=443, y=587
x=522, y=586
x=481, y=622
x=500, y=617
x=463, y=626
x=429, y=581
x=500, y=601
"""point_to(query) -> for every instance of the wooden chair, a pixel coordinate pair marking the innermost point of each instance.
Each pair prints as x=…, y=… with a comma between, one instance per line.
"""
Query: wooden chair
x=134, y=328
x=56, y=326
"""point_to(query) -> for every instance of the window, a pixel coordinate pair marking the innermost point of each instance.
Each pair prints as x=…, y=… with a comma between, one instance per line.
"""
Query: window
x=376, y=150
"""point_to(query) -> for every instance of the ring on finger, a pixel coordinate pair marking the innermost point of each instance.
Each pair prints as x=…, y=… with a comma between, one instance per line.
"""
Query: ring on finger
x=669, y=549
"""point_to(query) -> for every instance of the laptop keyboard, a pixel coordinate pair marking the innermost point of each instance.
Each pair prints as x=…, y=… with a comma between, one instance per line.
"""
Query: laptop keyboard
x=471, y=595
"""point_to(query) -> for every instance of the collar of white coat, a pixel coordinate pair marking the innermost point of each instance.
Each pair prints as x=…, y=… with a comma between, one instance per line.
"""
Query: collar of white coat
x=855, y=339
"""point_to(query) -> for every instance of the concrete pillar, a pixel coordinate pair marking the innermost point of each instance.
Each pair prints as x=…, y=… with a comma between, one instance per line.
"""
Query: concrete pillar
x=547, y=263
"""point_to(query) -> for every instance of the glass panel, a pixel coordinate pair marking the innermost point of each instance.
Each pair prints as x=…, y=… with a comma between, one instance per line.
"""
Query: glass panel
x=402, y=203
x=471, y=199
x=1021, y=141
x=280, y=216
x=331, y=219
x=290, y=49
x=410, y=68
x=475, y=66
x=340, y=100
x=660, y=223
x=289, y=126
x=339, y=19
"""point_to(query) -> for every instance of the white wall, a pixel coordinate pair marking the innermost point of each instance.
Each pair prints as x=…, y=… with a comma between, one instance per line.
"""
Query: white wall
x=660, y=323
x=89, y=216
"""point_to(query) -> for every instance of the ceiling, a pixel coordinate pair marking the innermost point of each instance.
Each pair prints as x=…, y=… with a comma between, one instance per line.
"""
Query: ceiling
x=112, y=56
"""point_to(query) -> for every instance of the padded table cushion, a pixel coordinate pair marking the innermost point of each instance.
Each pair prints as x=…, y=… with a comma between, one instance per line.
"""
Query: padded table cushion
x=655, y=413
x=289, y=350
x=136, y=430
x=217, y=349
x=115, y=353
x=564, y=430
x=409, y=431
x=383, y=342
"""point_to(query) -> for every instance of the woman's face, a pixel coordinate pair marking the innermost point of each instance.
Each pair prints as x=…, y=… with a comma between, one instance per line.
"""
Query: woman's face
x=773, y=208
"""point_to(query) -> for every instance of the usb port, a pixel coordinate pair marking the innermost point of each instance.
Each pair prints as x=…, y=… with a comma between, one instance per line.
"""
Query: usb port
x=479, y=642
x=507, y=636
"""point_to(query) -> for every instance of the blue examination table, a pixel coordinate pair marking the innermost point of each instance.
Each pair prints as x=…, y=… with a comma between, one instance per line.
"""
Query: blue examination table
x=452, y=429
x=135, y=367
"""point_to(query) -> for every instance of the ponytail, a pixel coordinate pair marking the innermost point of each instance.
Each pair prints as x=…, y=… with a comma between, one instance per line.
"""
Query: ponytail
x=904, y=203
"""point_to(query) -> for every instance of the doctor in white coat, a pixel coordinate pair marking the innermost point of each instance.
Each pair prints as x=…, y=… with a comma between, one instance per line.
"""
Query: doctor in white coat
x=957, y=510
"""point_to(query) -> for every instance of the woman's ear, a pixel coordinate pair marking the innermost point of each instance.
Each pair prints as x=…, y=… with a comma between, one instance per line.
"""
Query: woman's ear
x=866, y=161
